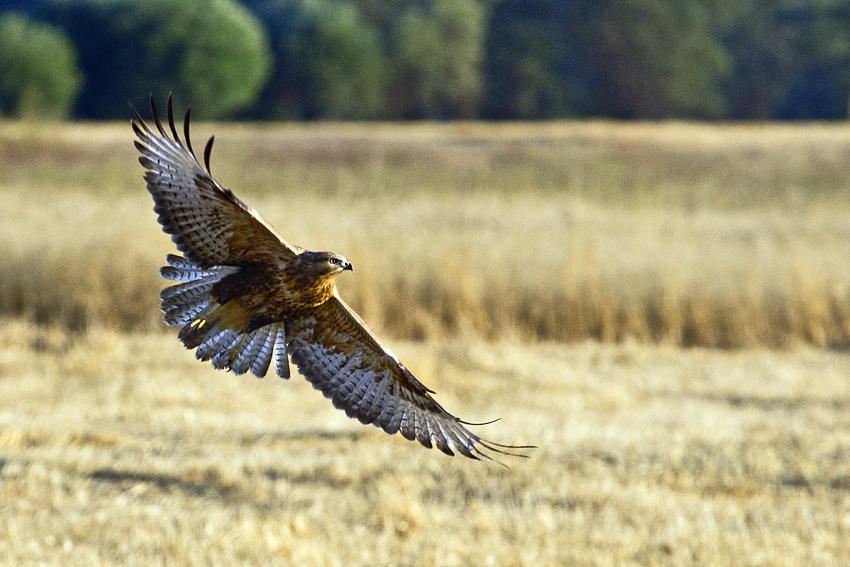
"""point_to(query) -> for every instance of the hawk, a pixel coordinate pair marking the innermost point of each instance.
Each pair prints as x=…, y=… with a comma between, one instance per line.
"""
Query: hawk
x=246, y=297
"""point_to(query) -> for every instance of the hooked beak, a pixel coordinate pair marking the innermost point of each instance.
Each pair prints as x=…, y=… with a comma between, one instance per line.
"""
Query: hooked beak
x=348, y=267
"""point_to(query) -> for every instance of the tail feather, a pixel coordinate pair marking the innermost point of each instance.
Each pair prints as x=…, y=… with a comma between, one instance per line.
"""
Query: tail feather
x=183, y=302
x=174, y=294
x=180, y=315
x=225, y=357
x=181, y=263
x=228, y=348
x=207, y=326
x=262, y=352
x=241, y=363
x=215, y=342
x=179, y=269
x=194, y=333
x=281, y=359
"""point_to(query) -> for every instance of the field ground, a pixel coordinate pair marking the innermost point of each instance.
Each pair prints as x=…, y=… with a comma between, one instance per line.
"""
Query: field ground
x=547, y=274
x=123, y=450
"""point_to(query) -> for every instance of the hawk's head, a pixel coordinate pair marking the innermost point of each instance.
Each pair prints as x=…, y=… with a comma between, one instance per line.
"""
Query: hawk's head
x=324, y=264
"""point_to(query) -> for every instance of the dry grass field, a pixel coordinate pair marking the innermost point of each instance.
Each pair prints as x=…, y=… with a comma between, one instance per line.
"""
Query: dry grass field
x=664, y=309
x=678, y=234
x=121, y=449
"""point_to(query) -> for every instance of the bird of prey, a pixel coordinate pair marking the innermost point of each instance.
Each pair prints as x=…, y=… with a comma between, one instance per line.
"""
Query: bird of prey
x=246, y=298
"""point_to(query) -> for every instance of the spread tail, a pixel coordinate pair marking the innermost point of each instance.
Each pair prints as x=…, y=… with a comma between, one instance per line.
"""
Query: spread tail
x=212, y=328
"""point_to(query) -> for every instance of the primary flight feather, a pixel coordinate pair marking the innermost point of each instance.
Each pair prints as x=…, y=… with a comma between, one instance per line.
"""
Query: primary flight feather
x=247, y=298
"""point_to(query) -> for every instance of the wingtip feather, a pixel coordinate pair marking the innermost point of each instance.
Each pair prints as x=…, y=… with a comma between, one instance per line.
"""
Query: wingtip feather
x=170, y=110
x=208, y=152
x=155, y=116
x=186, y=131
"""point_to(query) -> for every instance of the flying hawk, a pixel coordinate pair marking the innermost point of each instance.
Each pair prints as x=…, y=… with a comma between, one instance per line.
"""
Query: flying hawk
x=247, y=297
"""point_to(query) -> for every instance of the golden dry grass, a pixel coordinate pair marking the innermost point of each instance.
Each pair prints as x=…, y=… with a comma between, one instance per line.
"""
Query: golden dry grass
x=118, y=448
x=680, y=234
x=121, y=449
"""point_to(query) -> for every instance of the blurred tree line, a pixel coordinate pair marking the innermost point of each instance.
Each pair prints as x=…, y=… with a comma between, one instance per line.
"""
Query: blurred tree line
x=428, y=59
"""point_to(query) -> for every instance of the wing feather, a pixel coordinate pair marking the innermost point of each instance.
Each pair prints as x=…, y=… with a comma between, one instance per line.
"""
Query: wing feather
x=350, y=392
x=206, y=221
x=390, y=416
x=371, y=406
x=335, y=351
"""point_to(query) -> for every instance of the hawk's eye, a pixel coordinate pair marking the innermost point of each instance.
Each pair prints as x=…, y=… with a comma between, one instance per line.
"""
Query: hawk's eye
x=334, y=261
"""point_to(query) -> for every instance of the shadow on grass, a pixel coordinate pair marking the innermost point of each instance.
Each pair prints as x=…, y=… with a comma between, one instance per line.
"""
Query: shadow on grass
x=304, y=435
x=211, y=485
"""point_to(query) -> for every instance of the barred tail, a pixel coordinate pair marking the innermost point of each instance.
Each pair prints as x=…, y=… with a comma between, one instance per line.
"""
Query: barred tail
x=189, y=304
x=185, y=301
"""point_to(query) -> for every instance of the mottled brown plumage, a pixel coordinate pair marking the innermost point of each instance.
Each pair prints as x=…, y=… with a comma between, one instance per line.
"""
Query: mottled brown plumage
x=247, y=297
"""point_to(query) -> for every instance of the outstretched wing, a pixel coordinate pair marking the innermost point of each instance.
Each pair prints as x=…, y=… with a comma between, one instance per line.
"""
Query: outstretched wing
x=335, y=351
x=207, y=222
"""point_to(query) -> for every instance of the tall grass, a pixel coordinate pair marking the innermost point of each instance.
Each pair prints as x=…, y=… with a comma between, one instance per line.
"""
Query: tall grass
x=671, y=233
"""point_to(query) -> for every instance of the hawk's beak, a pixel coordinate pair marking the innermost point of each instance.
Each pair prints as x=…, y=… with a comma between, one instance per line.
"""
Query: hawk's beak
x=348, y=267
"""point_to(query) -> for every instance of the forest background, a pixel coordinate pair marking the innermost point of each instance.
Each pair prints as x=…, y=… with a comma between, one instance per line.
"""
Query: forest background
x=428, y=59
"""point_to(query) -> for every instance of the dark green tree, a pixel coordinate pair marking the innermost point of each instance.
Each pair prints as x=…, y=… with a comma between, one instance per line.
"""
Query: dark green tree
x=821, y=40
x=210, y=53
x=538, y=59
x=347, y=69
x=328, y=61
x=763, y=59
x=437, y=63
x=532, y=59
x=36, y=82
x=660, y=59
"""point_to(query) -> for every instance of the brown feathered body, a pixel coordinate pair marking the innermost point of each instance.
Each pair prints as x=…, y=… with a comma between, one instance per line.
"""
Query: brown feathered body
x=245, y=298
x=259, y=294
